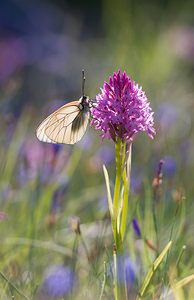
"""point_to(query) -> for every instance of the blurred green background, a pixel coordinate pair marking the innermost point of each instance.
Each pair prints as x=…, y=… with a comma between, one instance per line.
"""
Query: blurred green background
x=43, y=47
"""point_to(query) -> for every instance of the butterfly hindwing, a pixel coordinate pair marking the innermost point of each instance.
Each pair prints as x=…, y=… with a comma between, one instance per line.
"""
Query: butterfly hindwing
x=79, y=127
x=59, y=127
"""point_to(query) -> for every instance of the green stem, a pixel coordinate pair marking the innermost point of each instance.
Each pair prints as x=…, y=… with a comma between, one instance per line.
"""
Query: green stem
x=155, y=222
x=118, y=176
x=120, y=203
x=126, y=184
x=116, y=201
x=104, y=281
x=116, y=288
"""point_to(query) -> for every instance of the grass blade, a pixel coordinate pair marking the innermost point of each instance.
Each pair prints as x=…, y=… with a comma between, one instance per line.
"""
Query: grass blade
x=184, y=281
x=13, y=286
x=104, y=281
x=153, y=270
x=108, y=191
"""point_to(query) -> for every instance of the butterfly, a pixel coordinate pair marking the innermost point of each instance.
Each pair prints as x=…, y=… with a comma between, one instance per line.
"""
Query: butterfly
x=68, y=124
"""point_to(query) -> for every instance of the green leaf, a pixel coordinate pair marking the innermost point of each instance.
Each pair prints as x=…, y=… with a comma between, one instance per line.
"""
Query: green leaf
x=153, y=270
x=184, y=281
x=108, y=191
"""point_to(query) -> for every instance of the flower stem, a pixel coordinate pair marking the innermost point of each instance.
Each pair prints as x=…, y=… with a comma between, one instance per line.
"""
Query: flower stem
x=155, y=222
x=118, y=176
x=117, y=201
x=115, y=273
x=126, y=184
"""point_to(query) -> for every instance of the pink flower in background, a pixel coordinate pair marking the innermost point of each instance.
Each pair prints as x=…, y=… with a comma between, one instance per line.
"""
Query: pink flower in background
x=122, y=109
x=3, y=216
x=182, y=42
x=13, y=56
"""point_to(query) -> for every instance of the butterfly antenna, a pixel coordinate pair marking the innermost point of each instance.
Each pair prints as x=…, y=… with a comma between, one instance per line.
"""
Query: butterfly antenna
x=83, y=82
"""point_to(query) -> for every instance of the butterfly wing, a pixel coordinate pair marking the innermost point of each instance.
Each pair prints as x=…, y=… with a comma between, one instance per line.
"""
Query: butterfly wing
x=79, y=126
x=67, y=125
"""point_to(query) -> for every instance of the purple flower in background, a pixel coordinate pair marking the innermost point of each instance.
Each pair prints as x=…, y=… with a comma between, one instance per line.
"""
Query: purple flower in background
x=103, y=203
x=167, y=114
x=85, y=142
x=56, y=148
x=169, y=166
x=136, y=184
x=106, y=154
x=59, y=281
x=13, y=56
x=129, y=270
x=126, y=274
x=34, y=154
x=136, y=227
x=45, y=160
x=137, y=177
x=122, y=109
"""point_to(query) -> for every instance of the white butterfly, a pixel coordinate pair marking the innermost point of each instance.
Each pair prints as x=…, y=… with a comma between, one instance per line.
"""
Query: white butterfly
x=68, y=124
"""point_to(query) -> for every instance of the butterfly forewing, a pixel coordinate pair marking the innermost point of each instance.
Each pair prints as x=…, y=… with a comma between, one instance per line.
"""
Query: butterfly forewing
x=67, y=125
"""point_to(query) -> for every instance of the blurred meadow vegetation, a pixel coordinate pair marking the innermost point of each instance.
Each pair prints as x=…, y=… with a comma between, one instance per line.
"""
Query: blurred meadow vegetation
x=46, y=189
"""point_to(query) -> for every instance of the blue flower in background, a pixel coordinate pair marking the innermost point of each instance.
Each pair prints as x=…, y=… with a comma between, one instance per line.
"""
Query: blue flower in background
x=136, y=227
x=137, y=177
x=59, y=281
x=136, y=184
x=103, y=203
x=169, y=167
x=86, y=142
x=106, y=154
x=126, y=274
x=166, y=114
x=58, y=196
x=129, y=271
x=56, y=148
